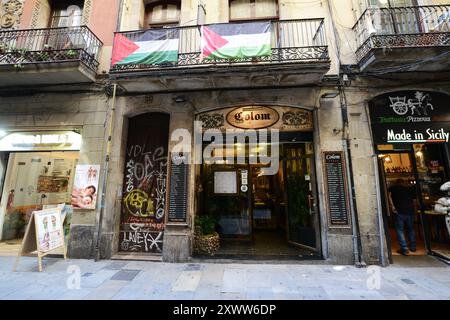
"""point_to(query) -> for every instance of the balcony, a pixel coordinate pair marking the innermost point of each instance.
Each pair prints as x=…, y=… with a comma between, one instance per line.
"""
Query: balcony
x=48, y=56
x=299, y=55
x=404, y=39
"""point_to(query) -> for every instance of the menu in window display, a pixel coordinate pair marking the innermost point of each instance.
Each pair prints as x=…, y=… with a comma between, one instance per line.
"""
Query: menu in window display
x=225, y=182
x=336, y=189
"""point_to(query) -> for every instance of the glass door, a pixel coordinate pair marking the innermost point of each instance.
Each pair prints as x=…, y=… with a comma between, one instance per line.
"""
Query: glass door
x=430, y=160
x=227, y=200
x=302, y=219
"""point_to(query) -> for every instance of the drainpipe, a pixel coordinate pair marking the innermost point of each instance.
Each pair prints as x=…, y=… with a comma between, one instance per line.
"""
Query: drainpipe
x=356, y=237
x=105, y=174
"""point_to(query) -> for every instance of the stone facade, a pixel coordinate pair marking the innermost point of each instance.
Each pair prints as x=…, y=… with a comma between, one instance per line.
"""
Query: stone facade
x=86, y=112
x=89, y=112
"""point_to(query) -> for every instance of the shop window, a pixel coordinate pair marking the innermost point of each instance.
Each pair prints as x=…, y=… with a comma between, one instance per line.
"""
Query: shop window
x=66, y=13
x=34, y=181
x=253, y=10
x=162, y=13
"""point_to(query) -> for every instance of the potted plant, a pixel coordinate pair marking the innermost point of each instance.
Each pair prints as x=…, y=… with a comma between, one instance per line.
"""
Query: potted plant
x=13, y=224
x=206, y=239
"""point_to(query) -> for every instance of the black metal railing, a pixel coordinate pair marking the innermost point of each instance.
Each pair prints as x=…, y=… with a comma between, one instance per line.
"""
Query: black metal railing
x=49, y=45
x=292, y=41
x=416, y=26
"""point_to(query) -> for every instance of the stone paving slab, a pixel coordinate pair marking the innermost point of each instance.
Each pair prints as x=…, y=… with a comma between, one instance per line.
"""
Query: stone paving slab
x=138, y=280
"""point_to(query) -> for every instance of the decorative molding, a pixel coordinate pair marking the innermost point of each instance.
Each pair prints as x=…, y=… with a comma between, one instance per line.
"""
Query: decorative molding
x=212, y=121
x=10, y=13
x=437, y=39
x=35, y=16
x=87, y=10
x=301, y=119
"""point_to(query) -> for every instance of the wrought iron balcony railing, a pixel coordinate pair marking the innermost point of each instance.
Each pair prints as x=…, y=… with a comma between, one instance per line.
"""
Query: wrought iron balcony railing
x=292, y=41
x=418, y=26
x=49, y=45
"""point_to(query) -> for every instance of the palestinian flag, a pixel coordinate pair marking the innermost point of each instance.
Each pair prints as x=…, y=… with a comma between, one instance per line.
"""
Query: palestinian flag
x=152, y=47
x=236, y=40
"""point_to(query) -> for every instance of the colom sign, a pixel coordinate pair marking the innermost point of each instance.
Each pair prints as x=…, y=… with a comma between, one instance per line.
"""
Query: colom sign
x=253, y=117
x=410, y=117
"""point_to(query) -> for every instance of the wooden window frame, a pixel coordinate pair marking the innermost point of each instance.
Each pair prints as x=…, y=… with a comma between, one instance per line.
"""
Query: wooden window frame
x=62, y=5
x=149, y=9
x=253, y=16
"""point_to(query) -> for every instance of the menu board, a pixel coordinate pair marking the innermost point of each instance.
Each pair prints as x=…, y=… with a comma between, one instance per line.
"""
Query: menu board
x=178, y=193
x=338, y=209
x=225, y=182
x=49, y=229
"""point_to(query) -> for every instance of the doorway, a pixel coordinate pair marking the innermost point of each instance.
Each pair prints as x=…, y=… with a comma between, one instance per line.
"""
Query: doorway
x=422, y=169
x=264, y=216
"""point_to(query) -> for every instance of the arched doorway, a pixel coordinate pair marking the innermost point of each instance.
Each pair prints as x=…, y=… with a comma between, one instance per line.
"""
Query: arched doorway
x=144, y=187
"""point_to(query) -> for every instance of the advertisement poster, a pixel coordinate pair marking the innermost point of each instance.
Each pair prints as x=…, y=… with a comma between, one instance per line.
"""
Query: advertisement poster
x=85, y=188
x=49, y=229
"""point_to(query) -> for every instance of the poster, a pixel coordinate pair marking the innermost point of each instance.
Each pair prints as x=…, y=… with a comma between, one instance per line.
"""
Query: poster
x=225, y=182
x=49, y=229
x=85, y=188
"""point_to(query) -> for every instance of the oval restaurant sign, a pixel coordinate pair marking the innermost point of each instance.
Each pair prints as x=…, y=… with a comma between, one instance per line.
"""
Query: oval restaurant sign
x=253, y=117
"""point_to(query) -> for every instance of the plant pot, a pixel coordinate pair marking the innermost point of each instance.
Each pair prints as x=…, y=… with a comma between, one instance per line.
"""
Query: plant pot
x=9, y=233
x=206, y=244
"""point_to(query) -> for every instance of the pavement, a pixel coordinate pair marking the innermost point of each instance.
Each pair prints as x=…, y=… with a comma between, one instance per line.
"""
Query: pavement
x=422, y=278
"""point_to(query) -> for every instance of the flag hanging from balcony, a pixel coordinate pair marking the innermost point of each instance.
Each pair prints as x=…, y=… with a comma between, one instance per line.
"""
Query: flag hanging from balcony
x=152, y=47
x=236, y=40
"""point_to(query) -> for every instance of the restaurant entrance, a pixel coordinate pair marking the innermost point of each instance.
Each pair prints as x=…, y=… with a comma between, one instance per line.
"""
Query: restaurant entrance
x=411, y=134
x=422, y=170
x=264, y=216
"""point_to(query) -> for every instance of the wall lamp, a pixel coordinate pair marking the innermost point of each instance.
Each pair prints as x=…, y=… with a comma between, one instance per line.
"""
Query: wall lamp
x=329, y=95
x=179, y=99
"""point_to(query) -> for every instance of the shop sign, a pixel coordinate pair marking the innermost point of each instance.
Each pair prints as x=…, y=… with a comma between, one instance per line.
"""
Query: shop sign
x=41, y=141
x=410, y=117
x=253, y=117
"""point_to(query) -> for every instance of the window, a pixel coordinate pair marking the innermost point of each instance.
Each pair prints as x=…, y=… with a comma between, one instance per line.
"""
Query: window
x=162, y=13
x=253, y=9
x=66, y=13
x=390, y=3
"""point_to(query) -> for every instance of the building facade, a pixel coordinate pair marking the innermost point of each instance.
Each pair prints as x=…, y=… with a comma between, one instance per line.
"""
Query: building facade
x=321, y=108
x=54, y=61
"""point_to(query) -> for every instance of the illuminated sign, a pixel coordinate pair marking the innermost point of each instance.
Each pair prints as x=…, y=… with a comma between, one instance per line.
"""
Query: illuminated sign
x=41, y=141
x=410, y=117
x=254, y=117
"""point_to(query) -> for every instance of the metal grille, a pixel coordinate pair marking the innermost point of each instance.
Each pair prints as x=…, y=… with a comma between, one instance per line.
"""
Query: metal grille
x=417, y=26
x=49, y=45
x=292, y=41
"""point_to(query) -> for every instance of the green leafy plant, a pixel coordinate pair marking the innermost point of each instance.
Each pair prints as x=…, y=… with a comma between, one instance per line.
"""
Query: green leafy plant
x=298, y=200
x=44, y=56
x=206, y=224
x=71, y=53
x=13, y=224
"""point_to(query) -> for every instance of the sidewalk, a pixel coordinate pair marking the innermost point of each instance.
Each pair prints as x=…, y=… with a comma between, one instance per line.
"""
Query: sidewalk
x=428, y=279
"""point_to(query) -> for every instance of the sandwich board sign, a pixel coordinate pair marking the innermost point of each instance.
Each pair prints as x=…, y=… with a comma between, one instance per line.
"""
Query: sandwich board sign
x=44, y=234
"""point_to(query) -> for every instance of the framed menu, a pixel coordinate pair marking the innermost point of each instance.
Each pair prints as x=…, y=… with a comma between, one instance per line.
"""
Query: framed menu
x=225, y=183
x=178, y=193
x=336, y=185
